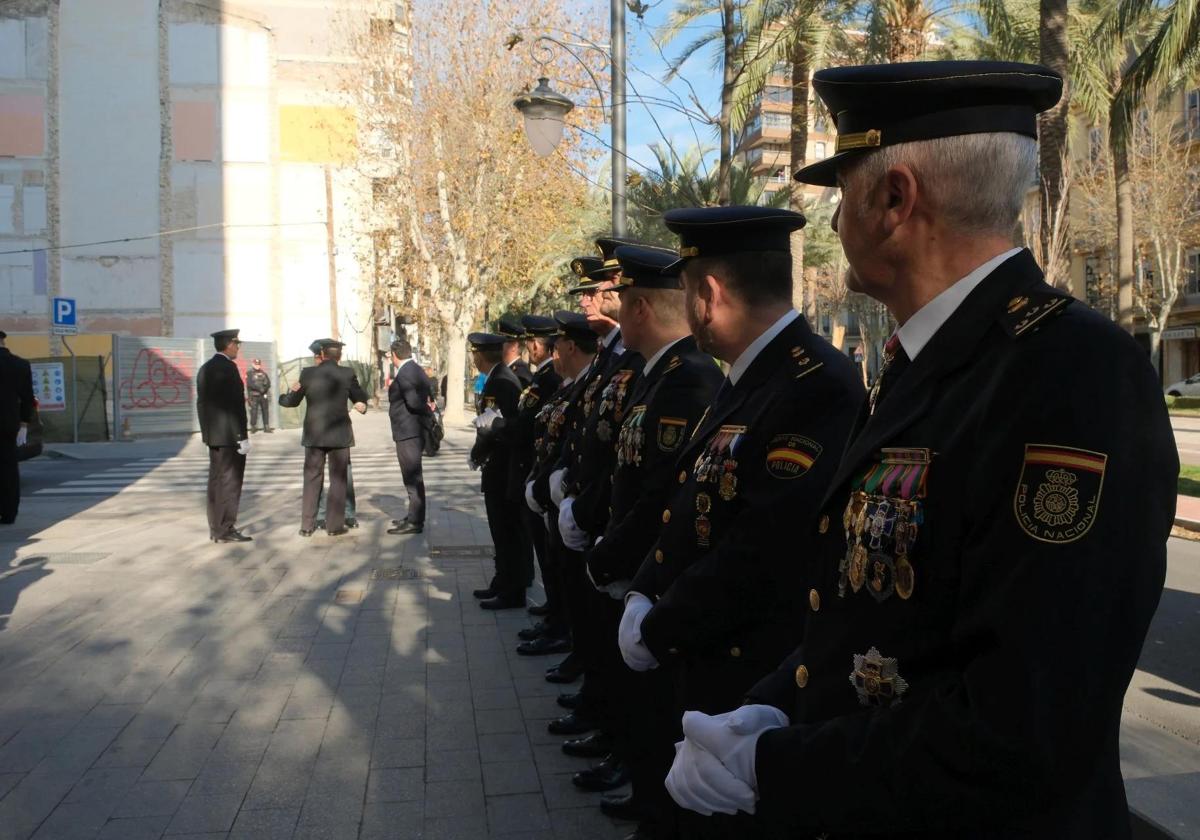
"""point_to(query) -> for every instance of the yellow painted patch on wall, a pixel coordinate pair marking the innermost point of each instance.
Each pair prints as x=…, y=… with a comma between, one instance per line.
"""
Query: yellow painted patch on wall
x=317, y=134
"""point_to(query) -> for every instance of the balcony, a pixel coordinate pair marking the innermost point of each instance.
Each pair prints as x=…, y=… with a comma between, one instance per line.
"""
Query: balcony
x=765, y=159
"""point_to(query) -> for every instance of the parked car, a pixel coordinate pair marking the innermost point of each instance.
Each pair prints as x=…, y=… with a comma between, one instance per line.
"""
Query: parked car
x=33, y=442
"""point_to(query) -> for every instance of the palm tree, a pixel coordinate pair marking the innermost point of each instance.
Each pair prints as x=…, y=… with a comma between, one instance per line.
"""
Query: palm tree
x=1054, y=52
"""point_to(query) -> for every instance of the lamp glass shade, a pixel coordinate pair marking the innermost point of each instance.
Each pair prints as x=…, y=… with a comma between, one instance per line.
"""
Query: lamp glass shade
x=544, y=133
x=544, y=110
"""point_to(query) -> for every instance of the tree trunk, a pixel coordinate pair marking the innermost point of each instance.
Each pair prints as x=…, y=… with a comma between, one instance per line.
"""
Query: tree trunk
x=1125, y=255
x=1052, y=133
x=798, y=156
x=456, y=373
x=724, y=173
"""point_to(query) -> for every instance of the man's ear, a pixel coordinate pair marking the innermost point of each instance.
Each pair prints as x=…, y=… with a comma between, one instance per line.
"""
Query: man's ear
x=902, y=191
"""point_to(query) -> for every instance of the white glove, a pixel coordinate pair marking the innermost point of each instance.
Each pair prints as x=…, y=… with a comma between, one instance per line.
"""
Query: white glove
x=530, y=500
x=484, y=421
x=22, y=435
x=556, y=486
x=244, y=446
x=572, y=537
x=629, y=635
x=732, y=737
x=700, y=783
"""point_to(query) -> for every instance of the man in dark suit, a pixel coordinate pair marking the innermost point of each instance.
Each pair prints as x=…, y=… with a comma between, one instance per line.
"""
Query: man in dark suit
x=221, y=408
x=328, y=434
x=322, y=497
x=514, y=333
x=978, y=582
x=498, y=401
x=16, y=413
x=409, y=398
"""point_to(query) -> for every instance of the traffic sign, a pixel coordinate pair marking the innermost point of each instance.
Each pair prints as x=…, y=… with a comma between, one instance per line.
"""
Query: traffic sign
x=63, y=314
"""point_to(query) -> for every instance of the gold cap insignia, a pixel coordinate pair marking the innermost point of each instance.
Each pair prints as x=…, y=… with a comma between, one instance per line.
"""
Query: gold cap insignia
x=861, y=140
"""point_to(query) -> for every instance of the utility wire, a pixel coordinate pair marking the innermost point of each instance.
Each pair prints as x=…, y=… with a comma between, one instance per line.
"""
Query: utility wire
x=158, y=235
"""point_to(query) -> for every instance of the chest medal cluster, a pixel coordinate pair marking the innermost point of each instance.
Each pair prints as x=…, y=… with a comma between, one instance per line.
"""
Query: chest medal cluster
x=631, y=438
x=612, y=400
x=882, y=521
x=716, y=472
x=529, y=398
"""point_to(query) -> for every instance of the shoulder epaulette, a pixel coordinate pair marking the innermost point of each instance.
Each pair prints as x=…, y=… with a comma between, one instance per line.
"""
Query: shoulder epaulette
x=804, y=363
x=1024, y=312
x=673, y=363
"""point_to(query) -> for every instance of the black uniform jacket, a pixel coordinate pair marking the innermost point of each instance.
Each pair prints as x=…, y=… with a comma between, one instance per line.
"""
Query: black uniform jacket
x=220, y=402
x=664, y=407
x=501, y=391
x=408, y=401
x=723, y=572
x=327, y=388
x=962, y=674
x=519, y=435
x=520, y=369
x=552, y=426
x=16, y=392
x=591, y=452
x=257, y=382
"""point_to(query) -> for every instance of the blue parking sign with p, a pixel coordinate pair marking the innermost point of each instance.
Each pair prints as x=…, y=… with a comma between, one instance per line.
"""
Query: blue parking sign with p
x=64, y=312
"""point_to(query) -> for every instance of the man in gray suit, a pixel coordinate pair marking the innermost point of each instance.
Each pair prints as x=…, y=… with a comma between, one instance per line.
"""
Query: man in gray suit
x=221, y=407
x=328, y=434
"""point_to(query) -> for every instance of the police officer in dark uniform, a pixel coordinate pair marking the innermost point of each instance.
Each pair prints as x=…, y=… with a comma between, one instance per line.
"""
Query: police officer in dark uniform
x=351, y=507
x=258, y=385
x=515, y=334
x=713, y=602
x=221, y=409
x=574, y=352
x=16, y=413
x=980, y=578
x=501, y=393
x=676, y=386
x=328, y=434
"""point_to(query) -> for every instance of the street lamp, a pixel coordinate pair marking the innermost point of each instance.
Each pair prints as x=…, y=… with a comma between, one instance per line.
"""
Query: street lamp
x=544, y=110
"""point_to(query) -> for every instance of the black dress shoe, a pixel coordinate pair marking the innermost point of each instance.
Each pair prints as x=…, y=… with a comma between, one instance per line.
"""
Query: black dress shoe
x=596, y=745
x=484, y=593
x=571, y=723
x=320, y=524
x=602, y=777
x=539, y=610
x=645, y=831
x=232, y=537
x=545, y=645
x=568, y=701
x=528, y=634
x=499, y=603
x=620, y=807
x=571, y=663
x=306, y=532
x=351, y=523
x=406, y=528
x=338, y=532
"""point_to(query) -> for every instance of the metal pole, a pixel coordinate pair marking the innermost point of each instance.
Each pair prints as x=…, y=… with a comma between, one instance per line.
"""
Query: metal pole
x=74, y=393
x=617, y=98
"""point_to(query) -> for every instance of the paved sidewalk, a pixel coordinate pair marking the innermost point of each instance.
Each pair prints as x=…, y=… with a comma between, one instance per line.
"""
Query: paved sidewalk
x=153, y=683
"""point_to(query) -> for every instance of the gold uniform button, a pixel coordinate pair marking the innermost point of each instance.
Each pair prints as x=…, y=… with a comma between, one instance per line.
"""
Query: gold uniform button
x=814, y=599
x=823, y=524
x=735, y=652
x=658, y=555
x=801, y=676
x=682, y=476
x=666, y=516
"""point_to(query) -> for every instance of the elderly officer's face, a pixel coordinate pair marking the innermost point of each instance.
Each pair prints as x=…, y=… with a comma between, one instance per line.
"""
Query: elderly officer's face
x=852, y=221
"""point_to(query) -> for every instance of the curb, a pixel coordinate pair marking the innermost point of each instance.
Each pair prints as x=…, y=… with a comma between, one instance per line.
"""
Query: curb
x=1145, y=828
x=1187, y=524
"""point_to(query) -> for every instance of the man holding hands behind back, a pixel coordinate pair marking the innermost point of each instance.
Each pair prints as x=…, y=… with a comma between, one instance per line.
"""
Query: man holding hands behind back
x=221, y=409
x=409, y=398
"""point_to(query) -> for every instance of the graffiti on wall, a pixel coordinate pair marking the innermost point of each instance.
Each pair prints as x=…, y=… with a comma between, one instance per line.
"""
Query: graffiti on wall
x=159, y=378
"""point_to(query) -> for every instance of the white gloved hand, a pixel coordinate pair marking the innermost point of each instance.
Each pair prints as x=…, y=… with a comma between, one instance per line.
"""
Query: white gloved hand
x=556, y=486
x=573, y=536
x=530, y=501
x=484, y=421
x=732, y=737
x=629, y=634
x=22, y=435
x=700, y=783
x=244, y=446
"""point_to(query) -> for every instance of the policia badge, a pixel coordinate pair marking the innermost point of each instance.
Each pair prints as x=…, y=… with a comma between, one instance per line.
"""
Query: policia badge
x=1058, y=493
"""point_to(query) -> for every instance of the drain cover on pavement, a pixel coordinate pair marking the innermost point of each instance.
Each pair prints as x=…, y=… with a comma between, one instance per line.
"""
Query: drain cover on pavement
x=82, y=558
x=395, y=574
x=461, y=551
x=348, y=596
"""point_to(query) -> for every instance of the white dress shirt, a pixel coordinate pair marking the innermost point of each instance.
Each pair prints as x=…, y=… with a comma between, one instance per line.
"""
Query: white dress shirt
x=751, y=353
x=924, y=324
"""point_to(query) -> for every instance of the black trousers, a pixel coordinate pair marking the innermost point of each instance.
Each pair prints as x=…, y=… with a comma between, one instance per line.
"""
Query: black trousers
x=351, y=509
x=226, y=468
x=10, y=476
x=647, y=724
x=535, y=525
x=259, y=403
x=511, y=543
x=314, y=481
x=408, y=453
x=585, y=614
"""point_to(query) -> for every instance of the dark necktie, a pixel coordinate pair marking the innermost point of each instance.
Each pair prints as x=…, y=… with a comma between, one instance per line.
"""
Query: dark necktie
x=723, y=392
x=895, y=360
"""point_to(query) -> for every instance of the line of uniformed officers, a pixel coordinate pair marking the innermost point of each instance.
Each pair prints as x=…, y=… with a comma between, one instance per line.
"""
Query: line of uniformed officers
x=801, y=609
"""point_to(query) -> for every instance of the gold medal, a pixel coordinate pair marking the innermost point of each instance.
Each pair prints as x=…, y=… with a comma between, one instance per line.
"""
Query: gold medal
x=858, y=567
x=703, y=530
x=728, y=489
x=703, y=503
x=905, y=577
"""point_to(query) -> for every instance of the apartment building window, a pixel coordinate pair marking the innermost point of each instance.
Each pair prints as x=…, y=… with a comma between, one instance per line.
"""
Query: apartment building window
x=1192, y=283
x=1092, y=281
x=754, y=124
x=819, y=152
x=780, y=176
x=1193, y=113
x=782, y=68
x=821, y=125
x=778, y=95
x=777, y=120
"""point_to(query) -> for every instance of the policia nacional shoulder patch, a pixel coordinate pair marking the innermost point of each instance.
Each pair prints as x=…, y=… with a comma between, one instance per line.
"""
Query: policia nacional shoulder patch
x=1058, y=493
x=791, y=456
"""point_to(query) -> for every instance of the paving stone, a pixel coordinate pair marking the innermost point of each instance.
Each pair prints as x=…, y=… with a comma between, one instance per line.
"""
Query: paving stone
x=510, y=777
x=200, y=814
x=451, y=765
x=504, y=746
x=398, y=752
x=265, y=824
x=221, y=778
x=395, y=784
x=132, y=752
x=8, y=781
x=393, y=821
x=152, y=799
x=77, y=821
x=458, y=799
x=107, y=784
x=493, y=721
x=138, y=828
x=586, y=824
x=517, y=812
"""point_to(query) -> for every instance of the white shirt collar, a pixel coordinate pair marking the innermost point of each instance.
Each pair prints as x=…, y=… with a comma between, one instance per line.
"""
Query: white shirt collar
x=612, y=335
x=493, y=370
x=662, y=351
x=924, y=324
x=751, y=353
x=542, y=366
x=567, y=381
x=407, y=361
